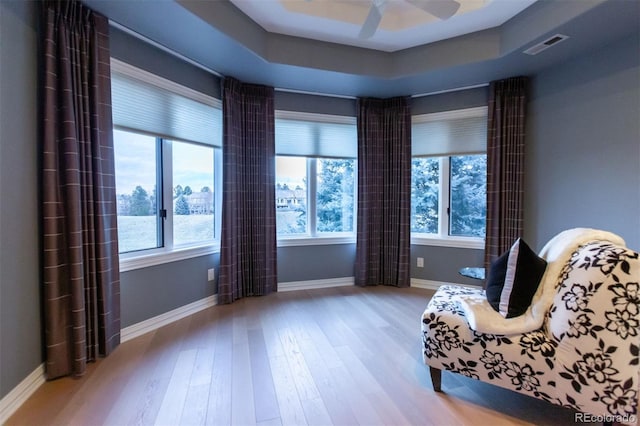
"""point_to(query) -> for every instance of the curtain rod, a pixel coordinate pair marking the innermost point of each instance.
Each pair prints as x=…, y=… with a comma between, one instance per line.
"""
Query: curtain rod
x=302, y=92
x=457, y=89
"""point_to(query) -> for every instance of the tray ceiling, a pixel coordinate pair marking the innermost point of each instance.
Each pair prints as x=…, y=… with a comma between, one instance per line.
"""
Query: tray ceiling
x=403, y=25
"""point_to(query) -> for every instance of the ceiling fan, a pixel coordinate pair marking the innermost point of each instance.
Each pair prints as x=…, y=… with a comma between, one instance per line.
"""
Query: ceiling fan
x=442, y=9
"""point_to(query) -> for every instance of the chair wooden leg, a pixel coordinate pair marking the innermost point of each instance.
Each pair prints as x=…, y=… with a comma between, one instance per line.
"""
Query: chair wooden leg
x=436, y=378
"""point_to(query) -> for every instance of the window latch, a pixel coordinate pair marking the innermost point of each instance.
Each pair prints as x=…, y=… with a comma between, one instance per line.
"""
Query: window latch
x=163, y=213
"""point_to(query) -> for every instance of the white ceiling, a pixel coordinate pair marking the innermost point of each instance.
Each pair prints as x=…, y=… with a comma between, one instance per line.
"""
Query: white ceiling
x=403, y=25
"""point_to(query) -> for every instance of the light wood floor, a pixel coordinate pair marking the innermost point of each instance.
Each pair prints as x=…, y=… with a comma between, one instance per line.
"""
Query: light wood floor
x=341, y=356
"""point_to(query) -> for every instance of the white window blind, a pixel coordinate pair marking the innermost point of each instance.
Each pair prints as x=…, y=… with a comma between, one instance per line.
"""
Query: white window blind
x=147, y=103
x=316, y=135
x=449, y=133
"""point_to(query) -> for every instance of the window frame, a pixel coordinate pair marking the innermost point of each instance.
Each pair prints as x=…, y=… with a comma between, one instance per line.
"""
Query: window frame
x=167, y=252
x=313, y=237
x=443, y=237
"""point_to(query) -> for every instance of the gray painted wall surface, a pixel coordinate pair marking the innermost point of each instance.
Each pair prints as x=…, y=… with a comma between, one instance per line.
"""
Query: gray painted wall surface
x=443, y=263
x=315, y=262
x=149, y=292
x=459, y=99
x=583, y=146
x=288, y=101
x=20, y=332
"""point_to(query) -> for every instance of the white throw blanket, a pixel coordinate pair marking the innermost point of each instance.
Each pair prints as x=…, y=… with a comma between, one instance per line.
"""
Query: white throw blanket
x=557, y=252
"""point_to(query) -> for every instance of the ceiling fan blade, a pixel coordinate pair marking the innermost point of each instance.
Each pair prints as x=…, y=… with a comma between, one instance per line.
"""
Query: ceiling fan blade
x=371, y=23
x=442, y=9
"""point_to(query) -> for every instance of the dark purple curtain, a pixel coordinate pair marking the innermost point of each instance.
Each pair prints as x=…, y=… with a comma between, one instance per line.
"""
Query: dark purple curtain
x=81, y=279
x=248, y=243
x=505, y=164
x=384, y=192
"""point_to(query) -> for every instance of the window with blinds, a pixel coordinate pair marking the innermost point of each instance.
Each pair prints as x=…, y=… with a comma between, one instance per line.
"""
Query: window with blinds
x=449, y=166
x=315, y=175
x=167, y=145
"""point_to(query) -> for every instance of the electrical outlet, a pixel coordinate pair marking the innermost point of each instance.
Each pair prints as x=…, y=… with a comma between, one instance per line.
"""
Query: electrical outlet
x=420, y=262
x=211, y=274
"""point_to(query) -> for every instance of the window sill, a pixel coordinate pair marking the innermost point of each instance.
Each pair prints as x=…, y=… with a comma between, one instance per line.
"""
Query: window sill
x=130, y=262
x=456, y=242
x=316, y=241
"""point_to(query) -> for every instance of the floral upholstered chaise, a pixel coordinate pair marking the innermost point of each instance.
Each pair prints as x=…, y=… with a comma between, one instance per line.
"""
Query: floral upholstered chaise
x=576, y=345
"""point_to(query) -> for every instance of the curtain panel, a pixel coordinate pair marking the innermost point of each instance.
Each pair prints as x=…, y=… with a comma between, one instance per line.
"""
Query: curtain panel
x=81, y=279
x=384, y=192
x=248, y=265
x=505, y=165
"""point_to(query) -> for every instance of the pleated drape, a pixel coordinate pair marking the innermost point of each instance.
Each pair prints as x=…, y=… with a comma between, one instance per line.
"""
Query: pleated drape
x=384, y=192
x=505, y=164
x=81, y=280
x=248, y=265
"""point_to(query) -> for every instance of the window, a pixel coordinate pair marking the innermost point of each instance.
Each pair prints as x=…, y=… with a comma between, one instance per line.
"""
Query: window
x=449, y=169
x=139, y=225
x=468, y=204
x=315, y=175
x=425, y=195
x=334, y=195
x=291, y=195
x=167, y=141
x=193, y=186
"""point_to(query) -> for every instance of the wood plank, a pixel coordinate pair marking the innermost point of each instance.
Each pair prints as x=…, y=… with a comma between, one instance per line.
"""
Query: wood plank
x=197, y=399
x=264, y=393
x=170, y=411
x=315, y=412
x=242, y=401
x=291, y=412
x=334, y=402
x=298, y=366
x=219, y=407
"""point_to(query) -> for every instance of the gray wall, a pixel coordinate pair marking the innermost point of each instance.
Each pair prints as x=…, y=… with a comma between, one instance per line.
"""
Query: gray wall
x=20, y=332
x=149, y=292
x=315, y=262
x=448, y=101
x=287, y=101
x=583, y=146
x=443, y=263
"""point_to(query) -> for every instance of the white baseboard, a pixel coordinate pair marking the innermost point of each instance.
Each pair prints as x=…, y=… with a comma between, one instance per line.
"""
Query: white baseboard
x=315, y=284
x=18, y=395
x=427, y=284
x=433, y=285
x=154, y=323
x=349, y=281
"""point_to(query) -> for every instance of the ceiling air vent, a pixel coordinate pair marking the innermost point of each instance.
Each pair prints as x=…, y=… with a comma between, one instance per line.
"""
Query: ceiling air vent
x=551, y=41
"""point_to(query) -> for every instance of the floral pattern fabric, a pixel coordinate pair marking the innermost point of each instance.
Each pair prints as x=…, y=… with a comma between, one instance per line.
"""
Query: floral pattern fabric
x=585, y=356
